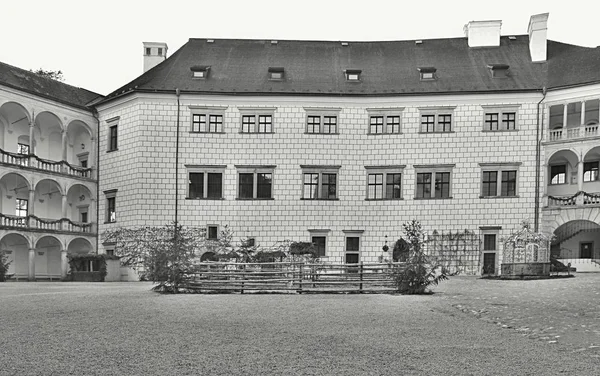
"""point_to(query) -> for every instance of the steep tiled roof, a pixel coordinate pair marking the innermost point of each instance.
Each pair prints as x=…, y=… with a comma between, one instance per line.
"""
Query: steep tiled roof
x=388, y=68
x=30, y=82
x=570, y=65
x=317, y=67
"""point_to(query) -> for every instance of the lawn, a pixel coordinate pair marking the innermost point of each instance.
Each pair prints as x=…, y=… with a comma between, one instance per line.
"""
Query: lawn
x=125, y=329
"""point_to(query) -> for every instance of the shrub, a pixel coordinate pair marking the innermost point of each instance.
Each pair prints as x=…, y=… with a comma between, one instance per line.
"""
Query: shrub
x=4, y=263
x=80, y=263
x=420, y=271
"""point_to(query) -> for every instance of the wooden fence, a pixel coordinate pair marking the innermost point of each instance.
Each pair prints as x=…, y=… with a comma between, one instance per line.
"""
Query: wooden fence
x=294, y=277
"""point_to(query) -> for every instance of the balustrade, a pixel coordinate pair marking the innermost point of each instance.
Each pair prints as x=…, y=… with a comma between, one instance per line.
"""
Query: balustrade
x=33, y=161
x=44, y=224
x=583, y=131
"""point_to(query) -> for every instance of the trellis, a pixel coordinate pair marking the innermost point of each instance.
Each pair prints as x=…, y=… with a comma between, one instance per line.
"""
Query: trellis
x=526, y=246
x=457, y=251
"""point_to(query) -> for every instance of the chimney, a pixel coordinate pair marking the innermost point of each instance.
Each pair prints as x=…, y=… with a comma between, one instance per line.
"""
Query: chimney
x=483, y=33
x=538, y=37
x=154, y=54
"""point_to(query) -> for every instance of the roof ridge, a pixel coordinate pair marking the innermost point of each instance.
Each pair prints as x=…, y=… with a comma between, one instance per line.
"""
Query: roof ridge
x=337, y=41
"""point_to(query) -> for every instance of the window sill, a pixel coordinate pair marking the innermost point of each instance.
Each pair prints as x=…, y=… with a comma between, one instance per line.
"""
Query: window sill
x=319, y=199
x=207, y=132
x=494, y=197
x=255, y=199
x=384, y=199
x=421, y=132
x=433, y=198
x=499, y=130
x=205, y=198
x=110, y=151
x=322, y=134
x=385, y=134
x=108, y=222
x=559, y=184
x=256, y=132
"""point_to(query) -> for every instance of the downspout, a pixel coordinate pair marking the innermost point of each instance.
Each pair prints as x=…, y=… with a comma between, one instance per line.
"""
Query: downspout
x=177, y=93
x=538, y=151
x=95, y=114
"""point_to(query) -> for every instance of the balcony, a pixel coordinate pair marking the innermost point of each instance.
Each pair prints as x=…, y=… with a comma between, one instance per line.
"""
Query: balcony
x=33, y=223
x=31, y=161
x=573, y=133
x=579, y=199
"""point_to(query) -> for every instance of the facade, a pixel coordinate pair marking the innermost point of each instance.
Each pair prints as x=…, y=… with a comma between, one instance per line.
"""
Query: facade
x=48, y=175
x=340, y=143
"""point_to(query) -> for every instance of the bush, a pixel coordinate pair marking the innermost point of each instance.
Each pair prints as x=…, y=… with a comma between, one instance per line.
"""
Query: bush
x=4, y=263
x=420, y=271
x=79, y=264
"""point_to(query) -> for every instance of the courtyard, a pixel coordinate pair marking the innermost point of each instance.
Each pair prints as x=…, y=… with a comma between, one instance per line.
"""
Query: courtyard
x=469, y=326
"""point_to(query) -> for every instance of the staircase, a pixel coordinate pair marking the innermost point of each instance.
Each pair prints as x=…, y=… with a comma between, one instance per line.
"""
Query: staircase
x=583, y=265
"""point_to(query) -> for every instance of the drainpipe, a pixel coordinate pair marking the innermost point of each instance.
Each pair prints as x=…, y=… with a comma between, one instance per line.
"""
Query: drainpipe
x=538, y=151
x=95, y=114
x=177, y=93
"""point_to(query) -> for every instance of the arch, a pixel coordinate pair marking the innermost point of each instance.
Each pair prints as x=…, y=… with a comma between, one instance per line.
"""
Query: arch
x=80, y=123
x=48, y=257
x=79, y=200
x=52, y=181
x=563, y=152
x=14, y=194
x=48, y=238
x=16, y=246
x=208, y=256
x=48, y=132
x=48, y=199
x=16, y=121
x=47, y=118
x=571, y=234
x=79, y=145
x=14, y=235
x=79, y=245
x=11, y=108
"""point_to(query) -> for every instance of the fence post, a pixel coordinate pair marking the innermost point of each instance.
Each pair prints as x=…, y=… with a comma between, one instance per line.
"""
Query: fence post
x=243, y=276
x=361, y=277
x=300, y=278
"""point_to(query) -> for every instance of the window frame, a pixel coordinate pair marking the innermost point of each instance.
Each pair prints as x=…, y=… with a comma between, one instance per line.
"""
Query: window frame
x=597, y=169
x=205, y=169
x=551, y=166
x=207, y=112
x=433, y=170
x=499, y=169
x=255, y=170
x=320, y=170
x=320, y=233
x=350, y=75
x=276, y=71
x=322, y=113
x=110, y=195
x=384, y=171
x=256, y=112
x=208, y=226
x=427, y=73
x=436, y=112
x=200, y=72
x=113, y=124
x=353, y=234
x=386, y=114
x=500, y=111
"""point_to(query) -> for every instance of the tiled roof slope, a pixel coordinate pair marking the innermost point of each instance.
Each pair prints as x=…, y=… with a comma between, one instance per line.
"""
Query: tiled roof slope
x=30, y=82
x=570, y=65
x=388, y=68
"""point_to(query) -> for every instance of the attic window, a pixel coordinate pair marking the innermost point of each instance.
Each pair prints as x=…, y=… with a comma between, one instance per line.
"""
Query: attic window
x=200, y=71
x=159, y=51
x=499, y=70
x=276, y=73
x=353, y=75
x=148, y=51
x=427, y=73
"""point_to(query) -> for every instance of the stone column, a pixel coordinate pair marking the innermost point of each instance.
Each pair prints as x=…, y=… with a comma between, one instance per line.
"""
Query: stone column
x=31, y=202
x=64, y=207
x=580, y=175
x=31, y=143
x=92, y=216
x=32, y=264
x=64, y=263
x=565, y=118
x=582, y=112
x=64, y=144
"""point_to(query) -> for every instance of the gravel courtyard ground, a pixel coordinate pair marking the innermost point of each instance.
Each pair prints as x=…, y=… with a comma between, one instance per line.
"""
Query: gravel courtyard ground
x=125, y=329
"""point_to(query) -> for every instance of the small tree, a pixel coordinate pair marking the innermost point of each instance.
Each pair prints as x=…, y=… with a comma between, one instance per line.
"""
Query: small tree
x=54, y=75
x=165, y=255
x=420, y=271
x=4, y=264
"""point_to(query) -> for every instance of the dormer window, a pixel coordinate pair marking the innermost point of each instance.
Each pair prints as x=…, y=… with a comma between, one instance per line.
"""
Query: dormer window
x=148, y=51
x=499, y=70
x=427, y=73
x=353, y=75
x=159, y=51
x=276, y=73
x=200, y=71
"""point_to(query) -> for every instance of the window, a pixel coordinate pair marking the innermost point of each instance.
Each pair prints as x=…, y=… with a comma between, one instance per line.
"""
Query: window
x=499, y=118
x=148, y=51
x=112, y=137
x=384, y=182
x=318, y=237
x=21, y=208
x=257, y=120
x=352, y=249
x=212, y=232
x=436, y=120
x=205, y=182
x=427, y=73
x=22, y=149
x=489, y=242
x=159, y=51
x=499, y=70
x=276, y=73
x=384, y=120
x=111, y=205
x=353, y=75
x=499, y=179
x=207, y=119
x=434, y=182
x=590, y=171
x=319, y=182
x=322, y=120
x=200, y=71
x=558, y=174
x=255, y=182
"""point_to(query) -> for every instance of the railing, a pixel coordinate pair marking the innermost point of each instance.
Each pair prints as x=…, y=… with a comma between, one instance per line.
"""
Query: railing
x=582, y=131
x=294, y=277
x=578, y=199
x=44, y=224
x=33, y=161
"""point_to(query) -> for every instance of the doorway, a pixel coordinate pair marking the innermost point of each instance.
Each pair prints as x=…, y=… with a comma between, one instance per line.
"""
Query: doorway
x=585, y=249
